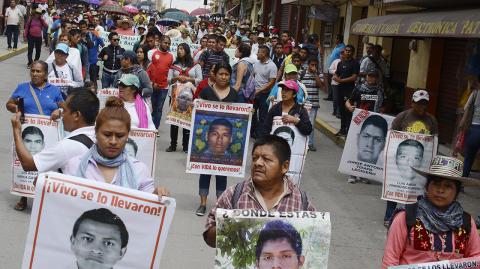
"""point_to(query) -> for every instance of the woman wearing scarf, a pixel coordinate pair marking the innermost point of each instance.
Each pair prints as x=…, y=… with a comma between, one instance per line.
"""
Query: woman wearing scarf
x=130, y=93
x=438, y=228
x=108, y=159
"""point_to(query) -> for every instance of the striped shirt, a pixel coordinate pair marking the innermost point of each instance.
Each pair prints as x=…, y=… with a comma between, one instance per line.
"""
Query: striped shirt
x=308, y=79
x=290, y=201
x=210, y=58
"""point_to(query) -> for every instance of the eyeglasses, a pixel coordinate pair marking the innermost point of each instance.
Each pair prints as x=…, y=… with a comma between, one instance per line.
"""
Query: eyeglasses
x=115, y=39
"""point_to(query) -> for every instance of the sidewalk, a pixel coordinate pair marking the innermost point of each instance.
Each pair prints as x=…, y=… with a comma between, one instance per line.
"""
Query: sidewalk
x=5, y=54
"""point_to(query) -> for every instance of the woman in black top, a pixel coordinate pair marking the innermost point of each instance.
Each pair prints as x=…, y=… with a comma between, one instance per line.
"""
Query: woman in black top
x=220, y=92
x=289, y=110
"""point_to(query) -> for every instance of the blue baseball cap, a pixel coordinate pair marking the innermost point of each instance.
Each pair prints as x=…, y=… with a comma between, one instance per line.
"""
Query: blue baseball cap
x=62, y=47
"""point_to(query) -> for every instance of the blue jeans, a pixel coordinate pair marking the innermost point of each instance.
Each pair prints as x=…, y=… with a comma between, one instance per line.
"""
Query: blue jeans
x=472, y=144
x=158, y=99
x=12, y=30
x=107, y=80
x=391, y=206
x=312, y=116
x=204, y=184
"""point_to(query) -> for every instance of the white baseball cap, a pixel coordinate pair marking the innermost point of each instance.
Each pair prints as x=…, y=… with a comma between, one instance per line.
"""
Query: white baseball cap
x=420, y=95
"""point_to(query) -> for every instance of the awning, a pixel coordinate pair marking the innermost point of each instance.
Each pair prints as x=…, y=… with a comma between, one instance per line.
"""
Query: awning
x=457, y=24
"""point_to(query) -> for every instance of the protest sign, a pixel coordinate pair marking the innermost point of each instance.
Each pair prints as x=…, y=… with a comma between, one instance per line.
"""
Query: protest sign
x=298, y=146
x=103, y=95
x=181, y=105
x=38, y=133
x=142, y=145
x=364, y=148
x=466, y=263
x=126, y=42
x=219, y=138
x=193, y=47
x=93, y=224
x=402, y=152
x=250, y=239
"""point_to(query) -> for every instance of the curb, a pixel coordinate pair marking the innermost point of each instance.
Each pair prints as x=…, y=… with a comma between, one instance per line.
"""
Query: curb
x=11, y=54
x=329, y=131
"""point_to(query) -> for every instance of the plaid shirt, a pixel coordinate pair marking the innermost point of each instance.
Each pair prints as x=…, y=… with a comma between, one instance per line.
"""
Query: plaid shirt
x=291, y=201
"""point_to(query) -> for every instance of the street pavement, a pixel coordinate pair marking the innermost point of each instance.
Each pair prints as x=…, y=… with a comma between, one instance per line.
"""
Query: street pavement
x=357, y=212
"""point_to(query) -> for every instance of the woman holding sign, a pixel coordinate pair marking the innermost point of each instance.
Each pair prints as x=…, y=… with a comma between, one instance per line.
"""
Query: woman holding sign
x=108, y=159
x=435, y=228
x=35, y=97
x=289, y=110
x=182, y=71
x=220, y=91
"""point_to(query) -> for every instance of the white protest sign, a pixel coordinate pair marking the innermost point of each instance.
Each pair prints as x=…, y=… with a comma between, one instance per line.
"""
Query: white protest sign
x=103, y=95
x=219, y=137
x=142, y=145
x=38, y=133
x=81, y=223
x=126, y=42
x=466, y=263
x=363, y=153
x=181, y=105
x=298, y=146
x=239, y=233
x=402, y=152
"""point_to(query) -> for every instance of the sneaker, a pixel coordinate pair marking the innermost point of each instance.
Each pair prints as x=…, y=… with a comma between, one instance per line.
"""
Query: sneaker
x=171, y=149
x=9, y=49
x=352, y=179
x=14, y=49
x=364, y=180
x=312, y=148
x=185, y=150
x=201, y=210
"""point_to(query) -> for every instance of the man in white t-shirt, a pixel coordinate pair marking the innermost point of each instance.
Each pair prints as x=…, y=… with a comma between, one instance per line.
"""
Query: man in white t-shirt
x=13, y=17
x=80, y=111
x=61, y=73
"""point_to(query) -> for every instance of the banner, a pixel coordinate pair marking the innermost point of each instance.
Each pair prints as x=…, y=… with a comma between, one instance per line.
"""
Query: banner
x=363, y=153
x=467, y=263
x=298, y=146
x=142, y=145
x=193, y=47
x=38, y=133
x=80, y=223
x=219, y=138
x=126, y=42
x=258, y=239
x=181, y=105
x=403, y=151
x=103, y=95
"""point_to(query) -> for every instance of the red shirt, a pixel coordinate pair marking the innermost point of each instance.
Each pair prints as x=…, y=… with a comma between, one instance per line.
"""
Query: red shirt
x=287, y=48
x=202, y=85
x=158, y=69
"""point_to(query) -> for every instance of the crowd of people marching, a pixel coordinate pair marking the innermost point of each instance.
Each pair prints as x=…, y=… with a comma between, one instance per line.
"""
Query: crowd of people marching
x=280, y=76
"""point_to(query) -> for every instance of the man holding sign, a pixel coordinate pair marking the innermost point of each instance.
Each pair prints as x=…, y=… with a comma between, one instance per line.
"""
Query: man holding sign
x=268, y=188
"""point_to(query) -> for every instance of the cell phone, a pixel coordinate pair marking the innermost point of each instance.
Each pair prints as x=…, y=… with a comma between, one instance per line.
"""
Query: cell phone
x=21, y=108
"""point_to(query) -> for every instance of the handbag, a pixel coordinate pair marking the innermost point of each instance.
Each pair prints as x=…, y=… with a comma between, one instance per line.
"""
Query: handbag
x=35, y=98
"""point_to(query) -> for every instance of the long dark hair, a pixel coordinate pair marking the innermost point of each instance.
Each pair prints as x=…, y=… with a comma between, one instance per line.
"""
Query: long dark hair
x=187, y=59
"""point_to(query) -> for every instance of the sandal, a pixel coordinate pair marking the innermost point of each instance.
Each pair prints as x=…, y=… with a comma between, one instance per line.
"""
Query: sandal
x=21, y=205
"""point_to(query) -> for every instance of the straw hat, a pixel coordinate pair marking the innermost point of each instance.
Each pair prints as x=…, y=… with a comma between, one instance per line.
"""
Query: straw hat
x=448, y=168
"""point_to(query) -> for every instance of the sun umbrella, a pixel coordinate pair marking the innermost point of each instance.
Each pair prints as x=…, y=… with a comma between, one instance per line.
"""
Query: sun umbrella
x=113, y=8
x=131, y=9
x=200, y=12
x=167, y=22
x=170, y=10
x=92, y=2
x=180, y=16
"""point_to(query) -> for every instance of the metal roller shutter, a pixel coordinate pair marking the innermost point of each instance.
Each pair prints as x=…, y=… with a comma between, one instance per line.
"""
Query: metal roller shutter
x=451, y=88
x=284, y=18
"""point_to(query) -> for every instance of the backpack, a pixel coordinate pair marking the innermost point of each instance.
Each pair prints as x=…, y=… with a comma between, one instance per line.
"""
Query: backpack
x=84, y=140
x=239, y=188
x=249, y=89
x=411, y=218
